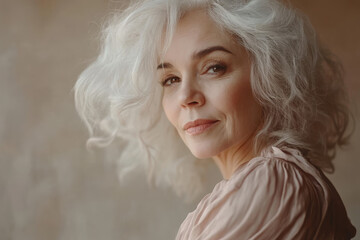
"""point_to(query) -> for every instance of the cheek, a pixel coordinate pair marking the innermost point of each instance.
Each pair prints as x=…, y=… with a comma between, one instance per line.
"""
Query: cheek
x=236, y=96
x=241, y=107
x=169, y=110
x=240, y=98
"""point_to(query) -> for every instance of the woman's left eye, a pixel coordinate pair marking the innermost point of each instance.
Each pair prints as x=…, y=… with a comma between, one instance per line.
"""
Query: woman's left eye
x=216, y=68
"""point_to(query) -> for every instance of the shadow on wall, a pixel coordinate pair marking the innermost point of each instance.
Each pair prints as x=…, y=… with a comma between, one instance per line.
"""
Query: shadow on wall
x=51, y=188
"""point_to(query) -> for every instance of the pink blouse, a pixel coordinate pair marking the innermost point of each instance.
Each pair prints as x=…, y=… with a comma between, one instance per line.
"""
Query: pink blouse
x=279, y=196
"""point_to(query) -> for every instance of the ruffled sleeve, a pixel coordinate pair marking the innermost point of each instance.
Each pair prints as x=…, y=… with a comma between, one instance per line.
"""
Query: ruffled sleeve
x=275, y=197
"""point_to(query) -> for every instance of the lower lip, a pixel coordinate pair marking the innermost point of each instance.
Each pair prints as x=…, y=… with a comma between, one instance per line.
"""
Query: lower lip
x=199, y=129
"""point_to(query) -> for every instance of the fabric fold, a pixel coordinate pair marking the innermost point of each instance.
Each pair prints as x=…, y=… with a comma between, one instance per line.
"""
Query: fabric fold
x=277, y=196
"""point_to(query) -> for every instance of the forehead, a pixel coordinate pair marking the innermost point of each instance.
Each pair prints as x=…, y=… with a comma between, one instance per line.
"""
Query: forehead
x=196, y=30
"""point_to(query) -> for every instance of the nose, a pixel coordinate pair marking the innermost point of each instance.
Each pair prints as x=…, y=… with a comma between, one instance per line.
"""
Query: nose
x=191, y=95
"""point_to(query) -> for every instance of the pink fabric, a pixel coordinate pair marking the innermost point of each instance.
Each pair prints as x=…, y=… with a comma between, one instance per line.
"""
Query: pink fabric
x=280, y=196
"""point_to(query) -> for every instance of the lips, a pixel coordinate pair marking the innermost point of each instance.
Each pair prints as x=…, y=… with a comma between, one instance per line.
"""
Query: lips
x=198, y=126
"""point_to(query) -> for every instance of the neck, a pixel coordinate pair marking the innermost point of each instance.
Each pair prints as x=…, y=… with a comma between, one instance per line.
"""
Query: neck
x=232, y=158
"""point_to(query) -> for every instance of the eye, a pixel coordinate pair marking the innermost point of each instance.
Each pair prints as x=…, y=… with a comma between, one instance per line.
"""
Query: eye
x=216, y=68
x=169, y=81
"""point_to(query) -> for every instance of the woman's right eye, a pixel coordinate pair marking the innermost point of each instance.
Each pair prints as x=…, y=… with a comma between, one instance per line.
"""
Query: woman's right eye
x=169, y=81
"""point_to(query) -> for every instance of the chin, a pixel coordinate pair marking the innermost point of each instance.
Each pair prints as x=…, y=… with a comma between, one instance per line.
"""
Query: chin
x=203, y=152
x=201, y=155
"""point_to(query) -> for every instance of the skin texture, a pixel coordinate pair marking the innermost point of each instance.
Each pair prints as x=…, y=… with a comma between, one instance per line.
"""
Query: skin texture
x=206, y=75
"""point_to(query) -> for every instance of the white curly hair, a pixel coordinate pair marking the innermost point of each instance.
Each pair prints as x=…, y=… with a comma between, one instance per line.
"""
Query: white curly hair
x=298, y=83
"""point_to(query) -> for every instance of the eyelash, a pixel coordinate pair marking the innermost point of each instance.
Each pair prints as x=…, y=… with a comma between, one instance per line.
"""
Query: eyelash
x=165, y=82
x=219, y=66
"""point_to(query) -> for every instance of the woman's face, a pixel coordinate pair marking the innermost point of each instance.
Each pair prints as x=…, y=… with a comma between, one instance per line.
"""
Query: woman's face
x=206, y=87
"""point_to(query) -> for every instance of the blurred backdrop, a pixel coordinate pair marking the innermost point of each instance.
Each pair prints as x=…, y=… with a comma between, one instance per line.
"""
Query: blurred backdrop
x=50, y=186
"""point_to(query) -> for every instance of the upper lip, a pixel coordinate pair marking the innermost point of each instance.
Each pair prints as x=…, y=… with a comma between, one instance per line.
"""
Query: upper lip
x=198, y=122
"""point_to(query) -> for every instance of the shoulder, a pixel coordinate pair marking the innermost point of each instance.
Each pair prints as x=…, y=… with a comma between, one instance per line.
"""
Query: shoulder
x=292, y=196
x=279, y=174
x=279, y=195
x=280, y=178
x=267, y=198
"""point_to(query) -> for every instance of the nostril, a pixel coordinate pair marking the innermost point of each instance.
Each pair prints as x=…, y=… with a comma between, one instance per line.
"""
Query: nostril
x=192, y=103
x=192, y=98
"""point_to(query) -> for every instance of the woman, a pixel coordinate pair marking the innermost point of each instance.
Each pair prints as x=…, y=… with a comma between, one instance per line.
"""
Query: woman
x=242, y=82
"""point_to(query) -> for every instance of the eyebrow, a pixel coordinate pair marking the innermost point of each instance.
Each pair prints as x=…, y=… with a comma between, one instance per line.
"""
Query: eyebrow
x=197, y=55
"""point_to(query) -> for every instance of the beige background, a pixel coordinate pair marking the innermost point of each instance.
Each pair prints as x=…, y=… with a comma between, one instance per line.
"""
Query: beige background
x=50, y=187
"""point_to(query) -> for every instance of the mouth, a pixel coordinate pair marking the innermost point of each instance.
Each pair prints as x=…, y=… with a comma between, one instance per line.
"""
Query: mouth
x=198, y=126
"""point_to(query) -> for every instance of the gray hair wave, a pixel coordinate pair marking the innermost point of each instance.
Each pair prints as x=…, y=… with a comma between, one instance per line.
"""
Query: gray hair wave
x=297, y=82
